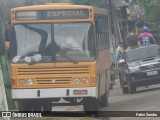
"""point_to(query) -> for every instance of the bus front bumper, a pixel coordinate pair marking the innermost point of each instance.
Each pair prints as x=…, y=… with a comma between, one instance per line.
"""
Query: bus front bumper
x=54, y=93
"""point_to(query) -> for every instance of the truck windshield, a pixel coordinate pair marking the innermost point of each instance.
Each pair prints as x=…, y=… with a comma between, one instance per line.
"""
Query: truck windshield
x=143, y=53
x=45, y=41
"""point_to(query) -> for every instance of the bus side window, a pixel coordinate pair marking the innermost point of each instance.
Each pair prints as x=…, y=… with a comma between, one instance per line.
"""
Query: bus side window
x=99, y=26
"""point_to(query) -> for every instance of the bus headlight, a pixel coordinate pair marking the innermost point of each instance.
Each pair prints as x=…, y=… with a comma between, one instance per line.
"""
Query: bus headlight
x=85, y=80
x=21, y=82
x=30, y=81
x=76, y=80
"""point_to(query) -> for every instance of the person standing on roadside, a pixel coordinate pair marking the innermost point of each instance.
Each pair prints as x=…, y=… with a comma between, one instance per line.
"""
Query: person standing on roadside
x=119, y=52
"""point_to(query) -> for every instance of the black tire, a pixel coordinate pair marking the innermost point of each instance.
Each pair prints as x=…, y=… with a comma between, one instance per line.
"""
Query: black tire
x=131, y=88
x=104, y=100
x=90, y=105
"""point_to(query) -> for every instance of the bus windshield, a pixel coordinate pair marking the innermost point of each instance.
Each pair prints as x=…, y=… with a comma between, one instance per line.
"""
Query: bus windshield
x=42, y=42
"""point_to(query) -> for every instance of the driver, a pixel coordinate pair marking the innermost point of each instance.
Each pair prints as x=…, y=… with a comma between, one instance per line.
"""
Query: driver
x=69, y=44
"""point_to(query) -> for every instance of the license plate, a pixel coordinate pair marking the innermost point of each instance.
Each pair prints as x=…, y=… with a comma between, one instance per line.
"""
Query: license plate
x=152, y=73
x=80, y=92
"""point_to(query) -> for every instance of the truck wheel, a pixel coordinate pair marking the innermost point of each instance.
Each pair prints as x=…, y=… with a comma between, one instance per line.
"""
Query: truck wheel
x=131, y=88
x=90, y=105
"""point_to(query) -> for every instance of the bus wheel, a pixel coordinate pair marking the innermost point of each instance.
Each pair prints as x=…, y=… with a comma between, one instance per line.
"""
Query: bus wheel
x=104, y=100
x=90, y=105
x=24, y=105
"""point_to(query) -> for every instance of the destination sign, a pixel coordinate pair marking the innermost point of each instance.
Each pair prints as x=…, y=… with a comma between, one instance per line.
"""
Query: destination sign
x=66, y=14
x=52, y=14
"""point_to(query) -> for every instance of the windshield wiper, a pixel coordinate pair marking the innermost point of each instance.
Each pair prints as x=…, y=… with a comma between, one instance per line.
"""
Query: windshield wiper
x=34, y=62
x=64, y=54
x=72, y=60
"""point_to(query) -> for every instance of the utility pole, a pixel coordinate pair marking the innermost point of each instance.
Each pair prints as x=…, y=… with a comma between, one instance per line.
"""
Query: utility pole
x=113, y=22
x=111, y=27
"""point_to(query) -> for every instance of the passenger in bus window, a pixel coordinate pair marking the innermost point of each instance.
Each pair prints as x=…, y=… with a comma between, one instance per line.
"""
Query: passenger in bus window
x=68, y=44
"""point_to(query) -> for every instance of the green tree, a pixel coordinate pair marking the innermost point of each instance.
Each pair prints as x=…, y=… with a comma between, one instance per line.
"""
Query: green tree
x=152, y=11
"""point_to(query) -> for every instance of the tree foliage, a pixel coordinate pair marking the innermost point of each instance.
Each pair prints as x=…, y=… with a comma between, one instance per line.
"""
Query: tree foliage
x=152, y=11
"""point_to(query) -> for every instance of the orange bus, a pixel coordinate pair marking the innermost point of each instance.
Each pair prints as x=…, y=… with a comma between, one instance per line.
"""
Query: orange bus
x=59, y=53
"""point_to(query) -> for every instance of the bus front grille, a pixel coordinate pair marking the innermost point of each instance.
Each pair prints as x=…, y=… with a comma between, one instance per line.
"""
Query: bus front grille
x=53, y=70
x=55, y=76
x=53, y=80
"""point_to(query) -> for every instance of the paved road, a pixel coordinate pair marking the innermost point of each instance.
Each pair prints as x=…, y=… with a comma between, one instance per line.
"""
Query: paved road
x=146, y=99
